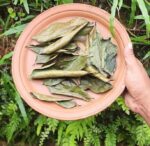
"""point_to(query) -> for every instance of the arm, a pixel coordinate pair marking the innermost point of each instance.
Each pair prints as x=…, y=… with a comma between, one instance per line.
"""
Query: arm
x=138, y=85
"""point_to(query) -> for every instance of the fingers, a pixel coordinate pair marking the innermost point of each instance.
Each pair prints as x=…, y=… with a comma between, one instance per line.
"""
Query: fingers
x=129, y=55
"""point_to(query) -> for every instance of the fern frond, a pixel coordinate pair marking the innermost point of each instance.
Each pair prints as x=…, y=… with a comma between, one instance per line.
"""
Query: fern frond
x=40, y=122
x=61, y=129
x=91, y=139
x=110, y=139
x=143, y=135
x=50, y=126
x=120, y=101
x=12, y=127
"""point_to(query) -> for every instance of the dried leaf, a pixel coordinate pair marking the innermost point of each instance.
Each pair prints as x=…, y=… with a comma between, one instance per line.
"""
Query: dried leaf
x=67, y=104
x=35, y=48
x=42, y=59
x=82, y=33
x=52, y=82
x=69, y=49
x=82, y=46
x=95, y=50
x=69, y=88
x=62, y=41
x=47, y=66
x=77, y=64
x=102, y=54
x=108, y=56
x=48, y=73
x=49, y=98
x=59, y=29
x=94, y=84
x=92, y=70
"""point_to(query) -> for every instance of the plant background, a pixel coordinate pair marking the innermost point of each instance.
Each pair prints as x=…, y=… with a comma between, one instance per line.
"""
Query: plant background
x=116, y=126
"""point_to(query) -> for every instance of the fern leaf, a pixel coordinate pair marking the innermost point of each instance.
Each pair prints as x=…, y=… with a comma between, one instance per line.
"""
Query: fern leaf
x=12, y=127
x=61, y=129
x=110, y=139
x=143, y=135
x=121, y=103
x=52, y=125
x=40, y=122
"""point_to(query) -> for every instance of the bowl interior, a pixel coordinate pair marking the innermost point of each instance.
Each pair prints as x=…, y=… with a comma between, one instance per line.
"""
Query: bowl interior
x=24, y=62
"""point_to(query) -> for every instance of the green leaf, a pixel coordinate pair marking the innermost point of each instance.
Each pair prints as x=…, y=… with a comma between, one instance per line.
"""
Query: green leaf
x=120, y=4
x=147, y=56
x=112, y=17
x=15, y=2
x=110, y=139
x=120, y=101
x=10, y=10
x=14, y=30
x=5, y=58
x=94, y=84
x=145, y=14
x=12, y=126
x=26, y=6
x=140, y=40
x=48, y=98
x=67, y=1
x=7, y=80
x=67, y=104
x=133, y=11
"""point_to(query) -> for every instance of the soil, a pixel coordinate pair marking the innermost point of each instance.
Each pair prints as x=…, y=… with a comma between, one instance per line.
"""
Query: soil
x=6, y=45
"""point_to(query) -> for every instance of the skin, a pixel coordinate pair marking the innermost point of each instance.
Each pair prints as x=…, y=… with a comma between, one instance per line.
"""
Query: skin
x=137, y=83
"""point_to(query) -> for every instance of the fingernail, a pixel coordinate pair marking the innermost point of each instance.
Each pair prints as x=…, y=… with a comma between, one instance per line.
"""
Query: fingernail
x=129, y=46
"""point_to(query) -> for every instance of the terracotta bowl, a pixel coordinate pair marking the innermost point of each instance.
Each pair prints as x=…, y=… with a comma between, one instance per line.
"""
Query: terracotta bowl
x=24, y=58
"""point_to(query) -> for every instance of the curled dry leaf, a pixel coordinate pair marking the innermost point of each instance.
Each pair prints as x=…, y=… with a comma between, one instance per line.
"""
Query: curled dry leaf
x=48, y=98
x=48, y=73
x=62, y=41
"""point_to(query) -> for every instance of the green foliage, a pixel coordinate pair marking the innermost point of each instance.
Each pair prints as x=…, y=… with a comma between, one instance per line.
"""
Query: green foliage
x=112, y=17
x=145, y=14
x=25, y=4
x=12, y=126
x=63, y=1
x=143, y=135
x=5, y=58
x=120, y=101
x=50, y=126
x=117, y=124
x=133, y=11
x=110, y=139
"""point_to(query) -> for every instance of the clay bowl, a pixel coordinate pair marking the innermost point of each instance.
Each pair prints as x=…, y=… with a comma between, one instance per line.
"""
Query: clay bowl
x=24, y=58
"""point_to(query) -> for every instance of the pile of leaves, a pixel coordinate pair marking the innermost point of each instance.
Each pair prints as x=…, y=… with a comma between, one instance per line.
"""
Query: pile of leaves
x=74, y=58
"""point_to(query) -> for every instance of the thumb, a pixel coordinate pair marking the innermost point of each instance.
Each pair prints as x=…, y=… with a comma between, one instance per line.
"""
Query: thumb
x=129, y=55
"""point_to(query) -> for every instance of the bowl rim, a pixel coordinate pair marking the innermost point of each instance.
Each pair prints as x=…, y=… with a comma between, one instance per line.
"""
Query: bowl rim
x=54, y=10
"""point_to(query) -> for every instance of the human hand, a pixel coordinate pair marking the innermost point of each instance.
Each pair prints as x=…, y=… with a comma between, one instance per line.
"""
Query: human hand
x=138, y=85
